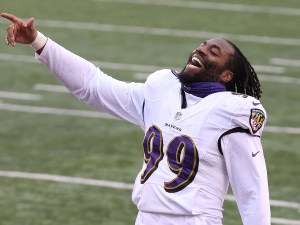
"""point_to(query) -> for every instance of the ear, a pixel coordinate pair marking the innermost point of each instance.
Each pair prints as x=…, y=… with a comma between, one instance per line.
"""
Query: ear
x=226, y=76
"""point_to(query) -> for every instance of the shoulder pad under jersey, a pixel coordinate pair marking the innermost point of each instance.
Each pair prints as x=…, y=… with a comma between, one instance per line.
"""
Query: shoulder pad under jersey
x=159, y=83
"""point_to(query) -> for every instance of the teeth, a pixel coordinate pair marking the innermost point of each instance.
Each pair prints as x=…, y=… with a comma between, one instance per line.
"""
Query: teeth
x=196, y=60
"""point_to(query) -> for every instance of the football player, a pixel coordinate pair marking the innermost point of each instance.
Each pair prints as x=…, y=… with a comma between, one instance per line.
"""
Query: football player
x=202, y=125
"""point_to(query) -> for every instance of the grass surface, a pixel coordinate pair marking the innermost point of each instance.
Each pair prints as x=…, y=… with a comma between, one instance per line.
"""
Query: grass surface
x=111, y=149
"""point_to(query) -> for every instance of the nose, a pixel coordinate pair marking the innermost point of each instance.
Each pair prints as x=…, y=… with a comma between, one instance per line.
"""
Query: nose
x=201, y=50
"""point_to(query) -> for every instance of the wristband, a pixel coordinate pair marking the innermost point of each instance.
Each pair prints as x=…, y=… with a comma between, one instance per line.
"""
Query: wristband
x=39, y=42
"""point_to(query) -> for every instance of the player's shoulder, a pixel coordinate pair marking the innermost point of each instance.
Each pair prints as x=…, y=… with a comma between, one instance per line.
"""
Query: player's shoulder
x=159, y=82
x=234, y=96
x=247, y=112
x=249, y=103
x=235, y=101
x=159, y=77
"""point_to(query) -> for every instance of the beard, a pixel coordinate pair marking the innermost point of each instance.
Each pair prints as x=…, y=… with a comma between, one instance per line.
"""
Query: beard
x=210, y=73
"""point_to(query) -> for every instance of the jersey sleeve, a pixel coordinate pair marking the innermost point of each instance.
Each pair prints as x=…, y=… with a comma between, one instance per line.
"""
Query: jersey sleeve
x=247, y=174
x=251, y=115
x=92, y=86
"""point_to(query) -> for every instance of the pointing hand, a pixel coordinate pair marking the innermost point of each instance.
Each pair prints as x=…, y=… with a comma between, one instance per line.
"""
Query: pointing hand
x=19, y=31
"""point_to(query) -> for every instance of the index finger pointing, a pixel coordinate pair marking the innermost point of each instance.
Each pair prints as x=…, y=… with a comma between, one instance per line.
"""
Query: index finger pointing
x=10, y=17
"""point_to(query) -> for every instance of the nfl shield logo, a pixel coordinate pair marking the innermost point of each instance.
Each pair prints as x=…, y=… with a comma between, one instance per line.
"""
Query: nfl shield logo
x=257, y=119
x=178, y=116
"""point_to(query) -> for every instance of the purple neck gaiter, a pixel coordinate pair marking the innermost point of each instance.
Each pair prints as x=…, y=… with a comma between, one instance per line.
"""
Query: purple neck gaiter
x=203, y=89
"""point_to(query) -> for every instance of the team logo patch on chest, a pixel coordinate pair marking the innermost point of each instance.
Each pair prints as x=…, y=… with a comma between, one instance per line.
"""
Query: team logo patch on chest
x=257, y=119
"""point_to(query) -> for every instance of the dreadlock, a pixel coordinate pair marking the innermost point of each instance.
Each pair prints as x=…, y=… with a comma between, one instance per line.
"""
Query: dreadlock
x=245, y=79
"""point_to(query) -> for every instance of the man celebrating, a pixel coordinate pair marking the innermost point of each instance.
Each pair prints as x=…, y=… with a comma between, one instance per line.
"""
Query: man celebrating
x=202, y=128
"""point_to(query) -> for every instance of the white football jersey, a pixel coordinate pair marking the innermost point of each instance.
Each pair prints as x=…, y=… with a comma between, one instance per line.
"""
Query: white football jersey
x=185, y=170
x=190, y=154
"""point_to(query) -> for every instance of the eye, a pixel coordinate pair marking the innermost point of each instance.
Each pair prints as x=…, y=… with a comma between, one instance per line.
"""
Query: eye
x=215, y=50
x=214, y=53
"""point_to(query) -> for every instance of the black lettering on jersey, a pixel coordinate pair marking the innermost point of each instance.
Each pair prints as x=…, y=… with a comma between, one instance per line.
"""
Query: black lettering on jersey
x=256, y=120
x=172, y=126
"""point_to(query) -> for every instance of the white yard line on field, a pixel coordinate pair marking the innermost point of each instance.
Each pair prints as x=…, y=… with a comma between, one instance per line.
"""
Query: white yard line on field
x=269, y=69
x=277, y=203
x=18, y=58
x=129, y=67
x=279, y=79
x=101, y=64
x=96, y=114
x=127, y=186
x=283, y=221
x=286, y=62
x=50, y=88
x=284, y=130
x=19, y=95
x=262, y=77
x=54, y=111
x=65, y=179
x=214, y=6
x=165, y=32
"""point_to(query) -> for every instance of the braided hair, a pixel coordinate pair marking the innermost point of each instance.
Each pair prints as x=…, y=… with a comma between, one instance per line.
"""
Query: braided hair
x=245, y=79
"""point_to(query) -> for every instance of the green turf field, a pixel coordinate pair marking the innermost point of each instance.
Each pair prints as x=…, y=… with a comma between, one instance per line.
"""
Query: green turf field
x=117, y=34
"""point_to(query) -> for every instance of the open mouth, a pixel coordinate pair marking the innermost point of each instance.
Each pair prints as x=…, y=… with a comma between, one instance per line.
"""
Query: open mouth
x=196, y=62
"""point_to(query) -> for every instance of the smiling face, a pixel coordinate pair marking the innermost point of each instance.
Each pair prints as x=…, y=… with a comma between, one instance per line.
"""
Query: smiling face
x=209, y=63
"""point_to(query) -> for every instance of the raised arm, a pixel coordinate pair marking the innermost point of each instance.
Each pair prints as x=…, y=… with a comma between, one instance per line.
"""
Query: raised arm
x=82, y=78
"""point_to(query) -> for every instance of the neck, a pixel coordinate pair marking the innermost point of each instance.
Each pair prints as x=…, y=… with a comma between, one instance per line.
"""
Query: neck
x=203, y=89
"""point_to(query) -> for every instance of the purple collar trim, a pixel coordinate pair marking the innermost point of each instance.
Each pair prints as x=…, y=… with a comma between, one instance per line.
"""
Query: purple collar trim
x=203, y=89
